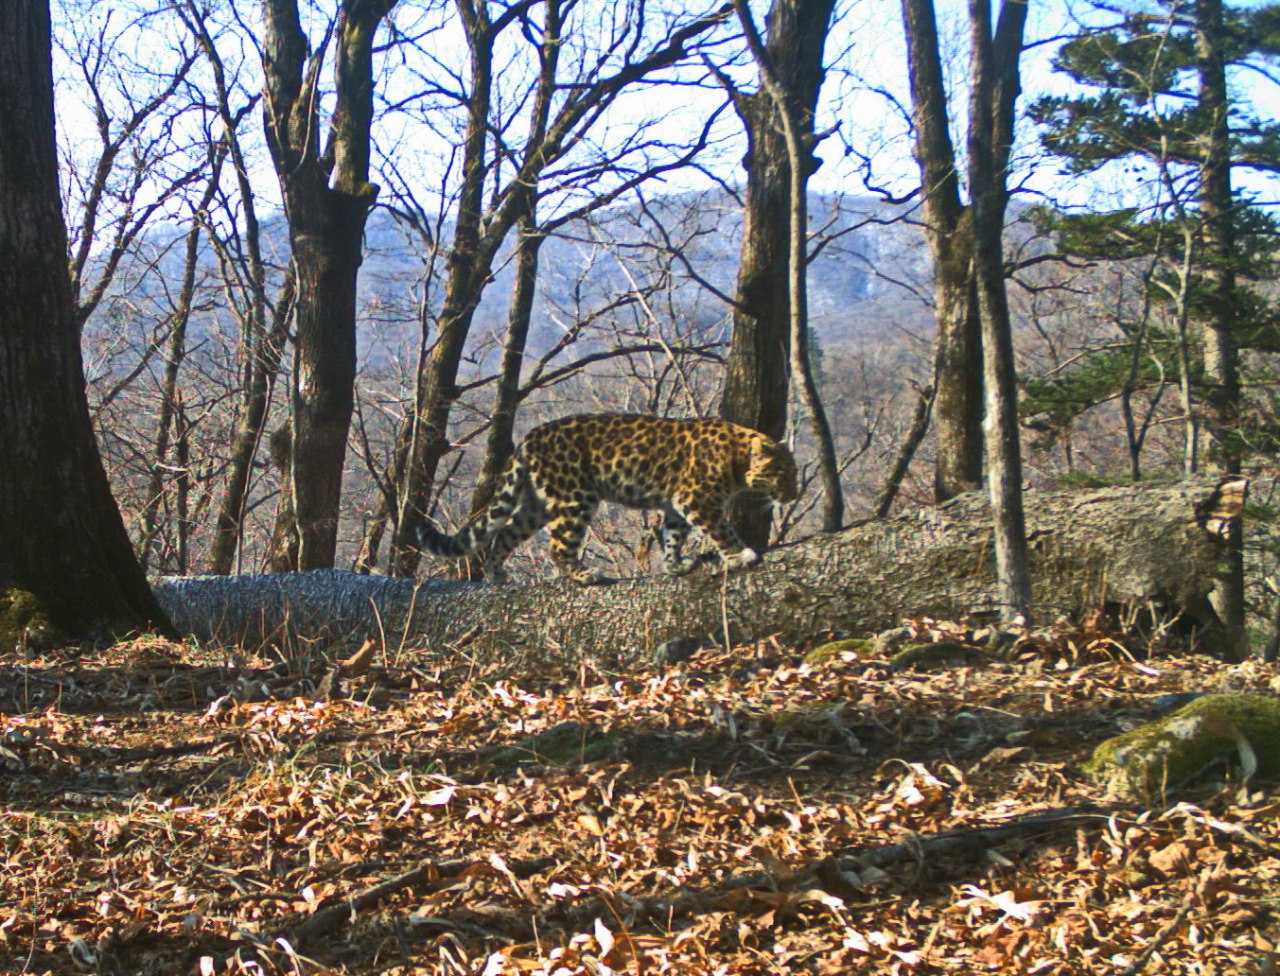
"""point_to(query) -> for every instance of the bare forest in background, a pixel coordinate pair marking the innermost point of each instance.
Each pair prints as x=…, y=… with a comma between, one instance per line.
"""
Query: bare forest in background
x=545, y=211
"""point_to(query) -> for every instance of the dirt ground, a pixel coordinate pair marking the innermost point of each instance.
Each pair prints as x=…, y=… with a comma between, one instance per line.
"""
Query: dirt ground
x=172, y=809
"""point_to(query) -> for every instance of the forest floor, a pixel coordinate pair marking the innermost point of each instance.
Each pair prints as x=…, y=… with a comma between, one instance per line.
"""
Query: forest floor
x=171, y=809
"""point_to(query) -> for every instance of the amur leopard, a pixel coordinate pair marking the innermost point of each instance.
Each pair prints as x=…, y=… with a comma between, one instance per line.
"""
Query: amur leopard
x=564, y=469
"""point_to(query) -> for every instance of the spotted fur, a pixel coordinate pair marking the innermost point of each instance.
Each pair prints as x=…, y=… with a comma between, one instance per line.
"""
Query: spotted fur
x=563, y=471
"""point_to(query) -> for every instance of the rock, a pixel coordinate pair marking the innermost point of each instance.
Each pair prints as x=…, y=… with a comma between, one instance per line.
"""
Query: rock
x=1164, y=754
x=836, y=650
x=678, y=649
x=938, y=656
x=24, y=622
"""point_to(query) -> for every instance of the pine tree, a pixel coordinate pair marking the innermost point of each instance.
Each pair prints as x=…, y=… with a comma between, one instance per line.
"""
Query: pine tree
x=1163, y=106
x=1152, y=108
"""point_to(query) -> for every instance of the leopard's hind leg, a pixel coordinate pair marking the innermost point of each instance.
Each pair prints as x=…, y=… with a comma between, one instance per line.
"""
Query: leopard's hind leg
x=672, y=535
x=567, y=521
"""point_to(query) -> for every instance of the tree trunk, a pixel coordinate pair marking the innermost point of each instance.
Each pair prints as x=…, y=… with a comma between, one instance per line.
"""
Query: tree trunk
x=756, y=382
x=501, y=442
x=798, y=137
x=264, y=348
x=993, y=92
x=958, y=364
x=424, y=438
x=1221, y=356
x=261, y=346
x=327, y=199
x=1141, y=546
x=902, y=463
x=61, y=535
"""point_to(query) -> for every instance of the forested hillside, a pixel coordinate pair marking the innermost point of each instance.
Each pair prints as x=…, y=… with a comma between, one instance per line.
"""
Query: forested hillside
x=631, y=303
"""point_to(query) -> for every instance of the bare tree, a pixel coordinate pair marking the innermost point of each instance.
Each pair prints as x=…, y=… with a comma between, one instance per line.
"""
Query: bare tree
x=994, y=87
x=135, y=164
x=169, y=426
x=480, y=227
x=327, y=199
x=968, y=251
x=757, y=384
x=793, y=98
x=263, y=324
x=61, y=535
x=958, y=367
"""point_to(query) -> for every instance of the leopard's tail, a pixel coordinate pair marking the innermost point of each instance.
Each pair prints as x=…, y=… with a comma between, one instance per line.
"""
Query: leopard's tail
x=475, y=537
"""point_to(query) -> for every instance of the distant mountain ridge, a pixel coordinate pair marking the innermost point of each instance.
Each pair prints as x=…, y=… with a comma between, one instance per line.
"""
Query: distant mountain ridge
x=871, y=257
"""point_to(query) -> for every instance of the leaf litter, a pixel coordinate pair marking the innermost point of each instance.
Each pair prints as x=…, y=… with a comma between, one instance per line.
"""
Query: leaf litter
x=168, y=810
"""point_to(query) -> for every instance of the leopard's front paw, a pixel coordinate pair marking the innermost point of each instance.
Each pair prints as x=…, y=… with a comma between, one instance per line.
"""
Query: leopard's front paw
x=591, y=577
x=680, y=567
x=742, y=560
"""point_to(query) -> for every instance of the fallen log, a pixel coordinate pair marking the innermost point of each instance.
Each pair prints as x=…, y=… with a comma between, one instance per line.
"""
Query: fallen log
x=1157, y=547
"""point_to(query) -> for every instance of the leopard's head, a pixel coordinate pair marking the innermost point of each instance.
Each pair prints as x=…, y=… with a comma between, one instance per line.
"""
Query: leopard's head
x=772, y=470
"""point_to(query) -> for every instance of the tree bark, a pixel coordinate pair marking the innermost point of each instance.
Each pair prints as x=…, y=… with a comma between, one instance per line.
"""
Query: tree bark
x=798, y=139
x=501, y=442
x=958, y=363
x=994, y=88
x=756, y=385
x=61, y=535
x=327, y=199
x=1153, y=547
x=1221, y=355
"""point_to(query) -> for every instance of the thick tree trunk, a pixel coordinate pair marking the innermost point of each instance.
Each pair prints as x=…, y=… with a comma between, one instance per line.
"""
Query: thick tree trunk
x=796, y=121
x=958, y=367
x=61, y=535
x=757, y=382
x=1151, y=547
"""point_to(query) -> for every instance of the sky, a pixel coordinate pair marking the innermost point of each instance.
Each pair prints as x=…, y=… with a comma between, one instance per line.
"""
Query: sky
x=866, y=54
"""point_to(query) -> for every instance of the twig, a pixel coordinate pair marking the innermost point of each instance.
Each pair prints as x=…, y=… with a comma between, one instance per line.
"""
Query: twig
x=331, y=916
x=965, y=839
x=1161, y=937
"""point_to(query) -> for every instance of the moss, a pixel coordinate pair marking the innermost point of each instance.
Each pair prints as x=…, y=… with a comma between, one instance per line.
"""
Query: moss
x=24, y=621
x=938, y=656
x=835, y=650
x=1089, y=480
x=567, y=744
x=1166, y=753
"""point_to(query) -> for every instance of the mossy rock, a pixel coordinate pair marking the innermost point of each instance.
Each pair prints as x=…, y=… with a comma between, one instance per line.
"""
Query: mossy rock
x=24, y=621
x=938, y=656
x=835, y=650
x=1166, y=753
x=567, y=744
